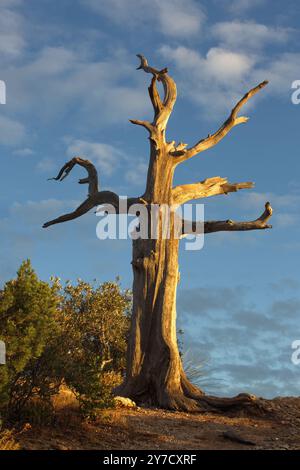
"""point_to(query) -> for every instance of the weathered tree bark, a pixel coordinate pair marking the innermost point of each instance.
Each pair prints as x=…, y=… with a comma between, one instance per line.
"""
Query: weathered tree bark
x=155, y=374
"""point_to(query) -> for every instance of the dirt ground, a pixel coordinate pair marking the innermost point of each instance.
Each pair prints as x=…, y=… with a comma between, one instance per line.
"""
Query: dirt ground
x=152, y=429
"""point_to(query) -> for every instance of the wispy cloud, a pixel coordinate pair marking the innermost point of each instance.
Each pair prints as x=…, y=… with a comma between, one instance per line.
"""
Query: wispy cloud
x=46, y=165
x=234, y=332
x=55, y=78
x=215, y=80
x=136, y=173
x=109, y=159
x=12, y=132
x=281, y=70
x=23, y=152
x=248, y=34
x=174, y=18
x=105, y=156
x=242, y=6
x=12, y=41
x=34, y=212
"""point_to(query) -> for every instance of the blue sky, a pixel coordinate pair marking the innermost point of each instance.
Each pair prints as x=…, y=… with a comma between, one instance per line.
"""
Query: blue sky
x=69, y=68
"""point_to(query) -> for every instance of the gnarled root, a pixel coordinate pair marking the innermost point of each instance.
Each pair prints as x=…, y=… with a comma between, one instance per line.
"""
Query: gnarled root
x=189, y=398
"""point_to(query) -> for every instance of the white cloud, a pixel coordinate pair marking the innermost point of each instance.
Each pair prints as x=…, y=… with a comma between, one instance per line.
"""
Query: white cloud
x=46, y=165
x=58, y=77
x=108, y=159
x=11, y=132
x=248, y=34
x=22, y=230
x=218, y=64
x=23, y=152
x=52, y=61
x=288, y=200
x=281, y=71
x=136, y=174
x=105, y=156
x=245, y=342
x=12, y=40
x=219, y=79
x=35, y=212
x=215, y=81
x=223, y=65
x=242, y=6
x=177, y=18
x=285, y=206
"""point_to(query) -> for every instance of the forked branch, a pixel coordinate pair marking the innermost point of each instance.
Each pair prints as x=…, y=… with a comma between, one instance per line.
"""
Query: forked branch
x=229, y=225
x=213, y=139
x=162, y=107
x=208, y=187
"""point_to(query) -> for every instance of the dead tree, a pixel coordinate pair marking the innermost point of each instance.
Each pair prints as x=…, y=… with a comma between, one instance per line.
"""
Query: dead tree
x=155, y=373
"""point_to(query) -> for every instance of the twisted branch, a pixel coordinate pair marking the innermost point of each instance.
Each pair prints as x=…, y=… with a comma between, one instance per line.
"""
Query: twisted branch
x=95, y=197
x=91, y=180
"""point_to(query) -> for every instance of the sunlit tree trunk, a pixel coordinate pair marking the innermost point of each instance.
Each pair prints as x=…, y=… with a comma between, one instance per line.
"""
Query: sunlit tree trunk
x=155, y=373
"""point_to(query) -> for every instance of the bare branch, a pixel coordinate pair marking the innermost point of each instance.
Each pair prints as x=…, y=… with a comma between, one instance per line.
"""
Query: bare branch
x=215, y=138
x=154, y=96
x=162, y=108
x=91, y=180
x=145, y=124
x=208, y=187
x=230, y=225
x=87, y=205
x=95, y=197
x=105, y=362
x=146, y=67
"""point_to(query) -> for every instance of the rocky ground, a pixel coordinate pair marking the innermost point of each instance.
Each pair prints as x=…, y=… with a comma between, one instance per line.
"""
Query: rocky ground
x=278, y=427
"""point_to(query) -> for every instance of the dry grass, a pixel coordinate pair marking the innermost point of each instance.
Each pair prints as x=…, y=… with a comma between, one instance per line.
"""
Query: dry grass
x=8, y=442
x=111, y=379
x=65, y=399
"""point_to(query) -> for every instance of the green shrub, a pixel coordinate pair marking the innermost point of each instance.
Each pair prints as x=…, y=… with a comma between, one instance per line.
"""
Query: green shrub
x=94, y=323
x=75, y=335
x=27, y=307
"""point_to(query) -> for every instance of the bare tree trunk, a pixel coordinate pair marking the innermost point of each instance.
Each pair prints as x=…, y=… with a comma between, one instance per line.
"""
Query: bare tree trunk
x=155, y=373
x=154, y=370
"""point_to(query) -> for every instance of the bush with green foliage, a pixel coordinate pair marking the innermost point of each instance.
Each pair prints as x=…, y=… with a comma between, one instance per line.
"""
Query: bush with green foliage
x=27, y=309
x=74, y=335
x=94, y=324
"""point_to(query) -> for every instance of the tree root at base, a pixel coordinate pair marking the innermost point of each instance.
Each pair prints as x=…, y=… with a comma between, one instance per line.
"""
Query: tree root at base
x=192, y=400
x=243, y=402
